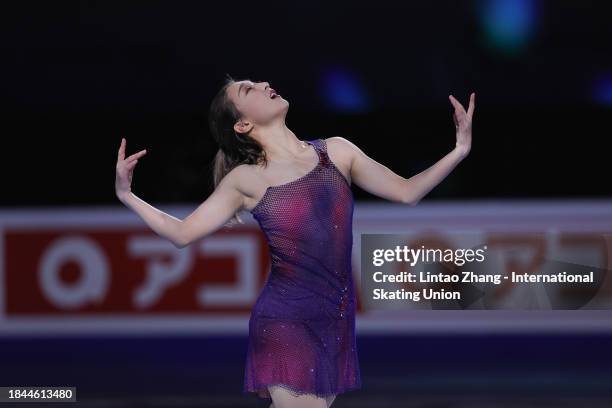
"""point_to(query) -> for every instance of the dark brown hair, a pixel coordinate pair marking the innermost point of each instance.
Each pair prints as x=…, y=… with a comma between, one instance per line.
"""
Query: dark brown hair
x=234, y=148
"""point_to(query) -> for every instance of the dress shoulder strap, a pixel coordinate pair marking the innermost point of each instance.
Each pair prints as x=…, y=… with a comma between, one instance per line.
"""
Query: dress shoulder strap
x=321, y=146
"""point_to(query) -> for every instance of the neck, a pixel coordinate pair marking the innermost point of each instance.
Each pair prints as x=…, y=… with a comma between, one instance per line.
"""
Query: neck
x=280, y=141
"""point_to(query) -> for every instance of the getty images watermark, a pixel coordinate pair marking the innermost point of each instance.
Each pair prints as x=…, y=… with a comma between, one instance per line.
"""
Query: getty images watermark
x=481, y=271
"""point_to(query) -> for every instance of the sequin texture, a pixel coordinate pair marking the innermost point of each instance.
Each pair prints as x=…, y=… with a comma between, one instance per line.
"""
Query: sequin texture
x=302, y=326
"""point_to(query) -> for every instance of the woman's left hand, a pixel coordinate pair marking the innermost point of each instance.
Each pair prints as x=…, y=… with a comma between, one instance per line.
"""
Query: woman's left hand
x=463, y=123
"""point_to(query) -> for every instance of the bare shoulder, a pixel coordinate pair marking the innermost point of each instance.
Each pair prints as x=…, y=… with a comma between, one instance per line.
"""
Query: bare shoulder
x=247, y=179
x=240, y=177
x=341, y=146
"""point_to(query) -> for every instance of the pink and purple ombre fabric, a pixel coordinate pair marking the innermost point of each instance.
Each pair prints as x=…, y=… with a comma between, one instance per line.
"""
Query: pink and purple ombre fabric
x=302, y=326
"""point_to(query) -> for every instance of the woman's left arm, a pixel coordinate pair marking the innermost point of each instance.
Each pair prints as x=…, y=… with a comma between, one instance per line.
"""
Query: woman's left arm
x=379, y=180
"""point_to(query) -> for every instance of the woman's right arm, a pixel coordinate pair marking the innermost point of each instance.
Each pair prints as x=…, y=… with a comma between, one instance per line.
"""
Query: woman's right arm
x=213, y=213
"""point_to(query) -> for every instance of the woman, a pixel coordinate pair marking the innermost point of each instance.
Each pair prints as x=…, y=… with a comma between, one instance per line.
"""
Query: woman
x=301, y=350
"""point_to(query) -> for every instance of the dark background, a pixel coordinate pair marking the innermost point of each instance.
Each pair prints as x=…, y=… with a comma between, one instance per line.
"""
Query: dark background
x=78, y=76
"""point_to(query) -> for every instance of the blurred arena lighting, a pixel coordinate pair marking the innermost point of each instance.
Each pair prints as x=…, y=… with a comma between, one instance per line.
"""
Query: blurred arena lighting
x=342, y=91
x=602, y=90
x=507, y=24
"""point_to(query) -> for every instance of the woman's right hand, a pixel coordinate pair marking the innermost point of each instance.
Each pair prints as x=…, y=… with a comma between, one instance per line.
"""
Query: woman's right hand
x=125, y=170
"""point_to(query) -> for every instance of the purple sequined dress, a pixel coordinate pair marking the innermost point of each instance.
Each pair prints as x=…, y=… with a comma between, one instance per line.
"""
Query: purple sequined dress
x=302, y=326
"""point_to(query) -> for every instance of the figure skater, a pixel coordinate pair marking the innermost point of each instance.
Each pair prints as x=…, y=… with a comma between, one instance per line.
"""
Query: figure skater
x=301, y=346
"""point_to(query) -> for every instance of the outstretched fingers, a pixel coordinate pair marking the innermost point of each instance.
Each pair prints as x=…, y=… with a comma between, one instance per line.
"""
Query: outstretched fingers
x=470, y=111
x=137, y=156
x=121, y=154
x=456, y=104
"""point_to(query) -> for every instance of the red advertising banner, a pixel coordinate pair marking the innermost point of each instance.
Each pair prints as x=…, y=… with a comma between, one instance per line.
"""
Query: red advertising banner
x=82, y=270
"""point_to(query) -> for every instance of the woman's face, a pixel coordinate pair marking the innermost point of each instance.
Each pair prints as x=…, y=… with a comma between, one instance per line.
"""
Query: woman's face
x=254, y=101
